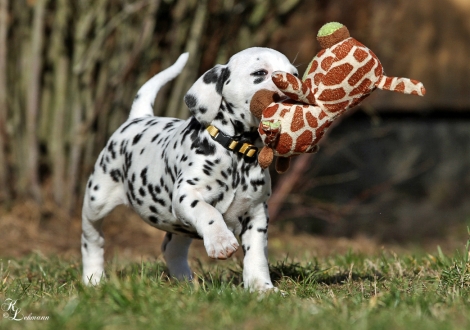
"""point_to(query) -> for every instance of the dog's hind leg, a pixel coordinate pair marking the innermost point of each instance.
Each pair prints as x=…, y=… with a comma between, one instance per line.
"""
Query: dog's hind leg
x=102, y=195
x=175, y=251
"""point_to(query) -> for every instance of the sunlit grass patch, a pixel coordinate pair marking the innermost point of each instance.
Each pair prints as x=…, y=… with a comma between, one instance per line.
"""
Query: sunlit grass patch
x=342, y=291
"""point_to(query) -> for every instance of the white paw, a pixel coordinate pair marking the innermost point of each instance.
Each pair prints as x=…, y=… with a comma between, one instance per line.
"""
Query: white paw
x=93, y=278
x=260, y=285
x=221, y=245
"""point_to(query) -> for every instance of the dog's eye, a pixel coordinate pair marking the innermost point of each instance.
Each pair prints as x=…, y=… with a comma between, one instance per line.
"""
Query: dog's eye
x=296, y=74
x=260, y=73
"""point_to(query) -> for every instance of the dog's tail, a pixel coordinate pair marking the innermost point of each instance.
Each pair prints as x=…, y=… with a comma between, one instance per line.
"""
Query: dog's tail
x=145, y=97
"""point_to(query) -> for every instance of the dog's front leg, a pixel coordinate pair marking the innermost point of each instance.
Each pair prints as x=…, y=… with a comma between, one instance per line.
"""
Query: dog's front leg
x=254, y=238
x=191, y=209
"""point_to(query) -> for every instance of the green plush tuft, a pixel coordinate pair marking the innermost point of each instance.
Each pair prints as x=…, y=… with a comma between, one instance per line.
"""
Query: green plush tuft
x=329, y=28
x=272, y=125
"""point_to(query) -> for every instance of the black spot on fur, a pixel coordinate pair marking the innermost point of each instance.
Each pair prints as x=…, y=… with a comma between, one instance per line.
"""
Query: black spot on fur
x=135, y=121
x=182, y=198
x=153, y=219
x=143, y=176
x=155, y=137
x=189, y=233
x=211, y=76
x=224, y=75
x=153, y=209
x=217, y=199
x=203, y=147
x=230, y=107
x=136, y=138
x=168, y=125
x=202, y=110
x=167, y=240
x=194, y=203
x=211, y=222
x=190, y=101
x=238, y=126
x=111, y=149
x=220, y=116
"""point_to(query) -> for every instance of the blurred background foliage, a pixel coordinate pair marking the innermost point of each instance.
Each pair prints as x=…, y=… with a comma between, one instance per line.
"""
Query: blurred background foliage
x=395, y=168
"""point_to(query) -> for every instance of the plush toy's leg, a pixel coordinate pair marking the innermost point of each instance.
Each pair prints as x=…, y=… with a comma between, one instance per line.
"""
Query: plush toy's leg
x=293, y=87
x=265, y=157
x=401, y=85
x=282, y=164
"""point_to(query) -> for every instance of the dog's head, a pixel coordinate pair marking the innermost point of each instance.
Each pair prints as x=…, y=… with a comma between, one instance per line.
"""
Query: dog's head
x=223, y=94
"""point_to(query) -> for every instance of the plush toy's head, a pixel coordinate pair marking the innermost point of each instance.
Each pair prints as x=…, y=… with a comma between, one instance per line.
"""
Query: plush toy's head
x=332, y=33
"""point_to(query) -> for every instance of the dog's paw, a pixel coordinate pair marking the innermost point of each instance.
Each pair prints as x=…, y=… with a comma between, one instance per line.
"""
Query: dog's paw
x=260, y=285
x=221, y=245
x=93, y=278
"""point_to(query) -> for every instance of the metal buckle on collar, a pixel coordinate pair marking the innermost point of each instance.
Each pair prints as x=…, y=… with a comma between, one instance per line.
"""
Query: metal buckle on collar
x=227, y=142
x=248, y=150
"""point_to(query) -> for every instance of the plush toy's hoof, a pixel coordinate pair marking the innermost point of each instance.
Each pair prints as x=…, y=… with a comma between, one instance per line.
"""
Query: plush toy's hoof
x=282, y=164
x=332, y=33
x=260, y=101
x=265, y=157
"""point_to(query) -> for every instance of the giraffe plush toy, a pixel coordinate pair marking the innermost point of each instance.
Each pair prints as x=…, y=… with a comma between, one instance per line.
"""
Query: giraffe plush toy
x=339, y=77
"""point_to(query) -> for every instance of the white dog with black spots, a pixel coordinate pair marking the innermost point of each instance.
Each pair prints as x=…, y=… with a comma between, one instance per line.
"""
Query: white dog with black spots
x=179, y=178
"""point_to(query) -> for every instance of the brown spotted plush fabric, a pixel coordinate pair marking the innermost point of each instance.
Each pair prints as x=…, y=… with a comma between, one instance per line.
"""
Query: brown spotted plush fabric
x=338, y=78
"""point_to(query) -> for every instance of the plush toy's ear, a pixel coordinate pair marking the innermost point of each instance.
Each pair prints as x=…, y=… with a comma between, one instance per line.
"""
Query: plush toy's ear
x=205, y=95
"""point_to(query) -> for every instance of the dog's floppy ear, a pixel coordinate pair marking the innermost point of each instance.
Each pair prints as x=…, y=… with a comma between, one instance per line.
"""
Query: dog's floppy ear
x=205, y=95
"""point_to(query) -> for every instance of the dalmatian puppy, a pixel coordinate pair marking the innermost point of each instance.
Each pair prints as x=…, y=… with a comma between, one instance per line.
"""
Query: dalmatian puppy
x=185, y=179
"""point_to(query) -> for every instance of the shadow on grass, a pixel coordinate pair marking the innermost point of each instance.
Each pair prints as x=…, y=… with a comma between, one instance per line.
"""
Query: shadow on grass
x=223, y=276
x=311, y=273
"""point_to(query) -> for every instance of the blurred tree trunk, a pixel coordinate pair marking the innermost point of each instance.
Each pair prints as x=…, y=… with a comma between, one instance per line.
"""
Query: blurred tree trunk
x=34, y=96
x=58, y=107
x=4, y=184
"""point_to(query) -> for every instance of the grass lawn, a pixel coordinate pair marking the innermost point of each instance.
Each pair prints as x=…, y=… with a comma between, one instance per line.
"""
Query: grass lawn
x=341, y=291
